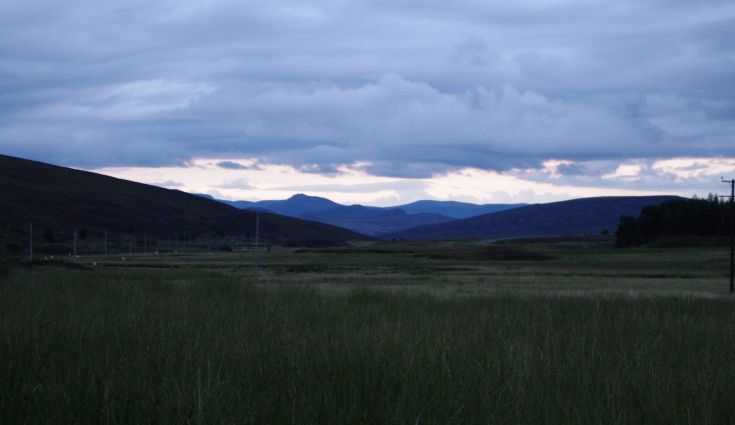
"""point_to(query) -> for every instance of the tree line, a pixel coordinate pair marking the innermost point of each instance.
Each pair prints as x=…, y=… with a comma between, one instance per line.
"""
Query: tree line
x=679, y=217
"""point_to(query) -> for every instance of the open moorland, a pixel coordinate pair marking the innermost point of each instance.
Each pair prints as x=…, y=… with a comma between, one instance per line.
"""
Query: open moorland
x=567, y=331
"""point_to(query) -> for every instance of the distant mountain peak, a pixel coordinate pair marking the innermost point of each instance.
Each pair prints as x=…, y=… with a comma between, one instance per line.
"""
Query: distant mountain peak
x=305, y=197
x=301, y=196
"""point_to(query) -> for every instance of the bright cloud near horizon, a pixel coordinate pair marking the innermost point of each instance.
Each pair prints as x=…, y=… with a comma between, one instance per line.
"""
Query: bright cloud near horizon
x=376, y=102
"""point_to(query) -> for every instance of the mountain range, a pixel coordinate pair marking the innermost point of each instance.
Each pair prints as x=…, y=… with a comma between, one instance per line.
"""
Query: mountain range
x=572, y=217
x=427, y=220
x=373, y=221
x=53, y=197
x=455, y=209
x=295, y=206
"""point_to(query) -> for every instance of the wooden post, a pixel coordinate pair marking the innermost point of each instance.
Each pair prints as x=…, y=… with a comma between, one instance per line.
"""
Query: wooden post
x=30, y=244
x=257, y=243
x=732, y=232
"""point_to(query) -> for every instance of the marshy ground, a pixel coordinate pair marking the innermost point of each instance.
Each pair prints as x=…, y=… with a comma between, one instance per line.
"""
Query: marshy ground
x=432, y=333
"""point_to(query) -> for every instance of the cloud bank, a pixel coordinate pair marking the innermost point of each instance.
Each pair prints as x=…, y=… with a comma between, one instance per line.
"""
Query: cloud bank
x=411, y=88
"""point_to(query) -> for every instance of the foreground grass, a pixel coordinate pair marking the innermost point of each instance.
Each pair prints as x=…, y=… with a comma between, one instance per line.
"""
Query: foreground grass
x=181, y=346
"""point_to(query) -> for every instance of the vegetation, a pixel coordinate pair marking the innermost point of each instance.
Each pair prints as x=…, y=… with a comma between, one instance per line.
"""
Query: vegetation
x=679, y=217
x=522, y=333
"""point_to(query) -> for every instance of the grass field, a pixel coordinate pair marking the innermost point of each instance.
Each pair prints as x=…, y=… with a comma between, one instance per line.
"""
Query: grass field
x=450, y=333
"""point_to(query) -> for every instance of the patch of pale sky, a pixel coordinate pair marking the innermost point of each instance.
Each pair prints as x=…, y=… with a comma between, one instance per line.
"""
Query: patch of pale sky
x=684, y=169
x=627, y=172
x=275, y=181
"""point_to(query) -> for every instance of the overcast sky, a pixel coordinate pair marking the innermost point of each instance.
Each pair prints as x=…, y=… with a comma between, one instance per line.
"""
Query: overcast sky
x=377, y=102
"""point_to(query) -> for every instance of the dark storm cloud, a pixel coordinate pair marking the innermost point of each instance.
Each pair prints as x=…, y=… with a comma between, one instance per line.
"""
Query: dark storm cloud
x=571, y=169
x=413, y=87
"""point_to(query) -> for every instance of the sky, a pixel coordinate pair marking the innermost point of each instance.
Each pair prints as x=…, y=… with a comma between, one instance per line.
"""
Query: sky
x=376, y=102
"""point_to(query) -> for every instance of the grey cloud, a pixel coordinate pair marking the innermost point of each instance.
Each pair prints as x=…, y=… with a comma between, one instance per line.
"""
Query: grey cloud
x=571, y=169
x=399, y=185
x=489, y=85
x=474, y=51
x=230, y=165
x=410, y=122
x=399, y=169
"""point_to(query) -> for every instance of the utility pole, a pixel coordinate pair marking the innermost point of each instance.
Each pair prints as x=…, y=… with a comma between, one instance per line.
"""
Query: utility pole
x=257, y=242
x=30, y=252
x=75, y=242
x=732, y=232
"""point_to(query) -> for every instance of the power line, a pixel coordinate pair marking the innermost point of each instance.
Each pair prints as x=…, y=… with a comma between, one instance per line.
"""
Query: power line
x=257, y=243
x=30, y=253
x=732, y=231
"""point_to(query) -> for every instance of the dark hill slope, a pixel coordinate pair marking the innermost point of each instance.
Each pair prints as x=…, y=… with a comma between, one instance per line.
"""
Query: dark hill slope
x=573, y=217
x=367, y=220
x=64, y=198
x=373, y=221
x=454, y=209
x=295, y=206
x=301, y=205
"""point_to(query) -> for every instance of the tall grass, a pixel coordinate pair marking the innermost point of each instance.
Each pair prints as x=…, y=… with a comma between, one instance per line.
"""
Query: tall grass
x=156, y=347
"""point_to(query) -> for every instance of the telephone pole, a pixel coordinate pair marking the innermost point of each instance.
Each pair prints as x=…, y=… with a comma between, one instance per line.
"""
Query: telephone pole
x=732, y=231
x=257, y=242
x=30, y=240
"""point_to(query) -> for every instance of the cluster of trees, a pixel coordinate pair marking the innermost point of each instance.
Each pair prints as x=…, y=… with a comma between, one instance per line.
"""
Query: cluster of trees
x=680, y=217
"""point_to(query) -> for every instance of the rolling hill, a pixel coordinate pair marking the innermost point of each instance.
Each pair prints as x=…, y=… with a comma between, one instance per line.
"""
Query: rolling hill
x=371, y=220
x=54, y=197
x=296, y=206
x=573, y=217
x=455, y=209
x=300, y=205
